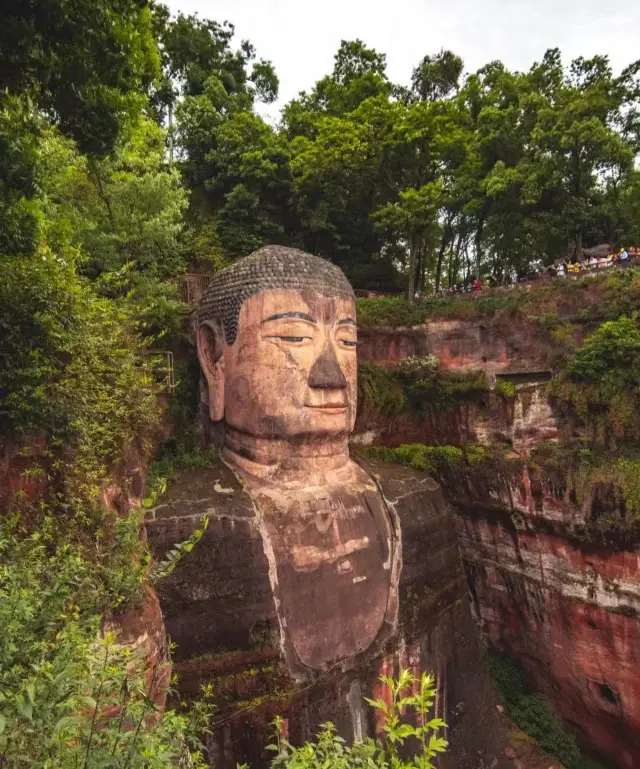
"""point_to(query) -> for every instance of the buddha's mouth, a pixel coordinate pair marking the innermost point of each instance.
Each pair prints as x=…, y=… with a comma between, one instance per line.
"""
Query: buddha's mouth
x=328, y=408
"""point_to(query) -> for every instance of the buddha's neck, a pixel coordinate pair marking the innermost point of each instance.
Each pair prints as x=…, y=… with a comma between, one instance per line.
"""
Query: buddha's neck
x=285, y=461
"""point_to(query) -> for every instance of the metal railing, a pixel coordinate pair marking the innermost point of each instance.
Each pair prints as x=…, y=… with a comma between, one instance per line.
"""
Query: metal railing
x=363, y=293
x=165, y=369
x=192, y=286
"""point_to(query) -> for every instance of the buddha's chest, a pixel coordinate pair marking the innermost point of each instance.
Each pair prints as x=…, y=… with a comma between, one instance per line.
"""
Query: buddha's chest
x=331, y=555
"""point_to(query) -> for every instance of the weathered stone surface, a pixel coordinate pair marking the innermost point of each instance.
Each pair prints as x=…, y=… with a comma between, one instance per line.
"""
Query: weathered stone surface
x=216, y=597
x=567, y=611
x=220, y=610
x=461, y=344
x=389, y=345
x=141, y=627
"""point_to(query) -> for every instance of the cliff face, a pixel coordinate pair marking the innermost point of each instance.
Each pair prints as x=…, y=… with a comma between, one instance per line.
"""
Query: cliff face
x=565, y=607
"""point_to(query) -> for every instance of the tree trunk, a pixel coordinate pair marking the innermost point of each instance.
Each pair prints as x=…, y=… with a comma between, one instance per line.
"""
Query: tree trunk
x=578, y=254
x=446, y=232
x=467, y=265
x=413, y=263
x=420, y=272
x=477, y=246
x=170, y=132
x=454, y=260
x=93, y=168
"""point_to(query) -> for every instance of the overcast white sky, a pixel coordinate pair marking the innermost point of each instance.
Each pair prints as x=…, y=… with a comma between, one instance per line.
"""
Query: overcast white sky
x=302, y=36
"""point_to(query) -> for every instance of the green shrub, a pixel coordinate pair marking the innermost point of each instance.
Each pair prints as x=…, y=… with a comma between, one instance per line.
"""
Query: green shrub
x=68, y=695
x=405, y=714
x=445, y=390
x=379, y=388
x=600, y=384
x=418, y=387
x=610, y=356
x=429, y=459
x=505, y=388
x=71, y=371
x=532, y=712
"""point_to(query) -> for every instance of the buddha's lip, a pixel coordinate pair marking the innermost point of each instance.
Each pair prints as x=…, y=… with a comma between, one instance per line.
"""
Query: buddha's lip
x=327, y=406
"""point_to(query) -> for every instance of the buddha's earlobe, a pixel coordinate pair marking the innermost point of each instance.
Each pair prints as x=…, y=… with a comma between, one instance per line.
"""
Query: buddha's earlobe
x=210, y=342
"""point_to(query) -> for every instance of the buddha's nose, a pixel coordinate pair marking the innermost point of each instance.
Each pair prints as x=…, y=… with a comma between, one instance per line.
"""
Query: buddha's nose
x=326, y=373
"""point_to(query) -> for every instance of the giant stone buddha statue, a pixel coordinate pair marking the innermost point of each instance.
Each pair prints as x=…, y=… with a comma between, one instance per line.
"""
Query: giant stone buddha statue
x=335, y=570
x=277, y=345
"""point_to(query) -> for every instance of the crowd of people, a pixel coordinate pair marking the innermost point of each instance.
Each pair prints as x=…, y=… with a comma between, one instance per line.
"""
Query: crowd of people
x=589, y=264
x=564, y=269
x=559, y=270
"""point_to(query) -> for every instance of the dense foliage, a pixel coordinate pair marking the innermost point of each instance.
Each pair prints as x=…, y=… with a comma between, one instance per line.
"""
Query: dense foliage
x=532, y=712
x=601, y=383
x=91, y=219
x=420, y=185
x=69, y=694
x=415, y=385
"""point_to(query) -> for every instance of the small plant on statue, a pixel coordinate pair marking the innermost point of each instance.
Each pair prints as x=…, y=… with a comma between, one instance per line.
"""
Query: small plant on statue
x=410, y=738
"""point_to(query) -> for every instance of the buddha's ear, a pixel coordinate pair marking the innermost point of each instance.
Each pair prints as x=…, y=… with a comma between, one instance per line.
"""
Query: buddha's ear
x=210, y=348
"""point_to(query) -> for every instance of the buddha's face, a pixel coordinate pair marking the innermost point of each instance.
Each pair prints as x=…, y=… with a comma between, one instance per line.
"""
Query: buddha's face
x=291, y=372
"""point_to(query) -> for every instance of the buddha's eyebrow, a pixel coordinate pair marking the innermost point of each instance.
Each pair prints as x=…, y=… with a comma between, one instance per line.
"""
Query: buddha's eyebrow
x=347, y=322
x=301, y=315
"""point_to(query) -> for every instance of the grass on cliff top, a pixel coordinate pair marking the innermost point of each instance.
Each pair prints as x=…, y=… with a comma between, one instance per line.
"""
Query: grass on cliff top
x=415, y=388
x=447, y=462
x=603, y=296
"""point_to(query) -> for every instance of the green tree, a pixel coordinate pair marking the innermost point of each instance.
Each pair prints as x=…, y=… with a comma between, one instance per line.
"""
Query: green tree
x=336, y=185
x=84, y=63
x=252, y=182
x=422, y=152
x=437, y=77
x=209, y=81
x=120, y=218
x=576, y=140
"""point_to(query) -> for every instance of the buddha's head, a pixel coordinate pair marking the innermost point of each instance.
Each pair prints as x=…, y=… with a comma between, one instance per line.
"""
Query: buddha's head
x=277, y=345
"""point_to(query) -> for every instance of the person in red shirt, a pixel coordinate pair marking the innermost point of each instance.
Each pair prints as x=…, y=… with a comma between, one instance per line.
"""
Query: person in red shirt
x=477, y=285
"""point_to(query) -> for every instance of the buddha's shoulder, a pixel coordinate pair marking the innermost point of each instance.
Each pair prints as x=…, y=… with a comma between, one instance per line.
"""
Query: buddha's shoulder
x=398, y=481
x=213, y=489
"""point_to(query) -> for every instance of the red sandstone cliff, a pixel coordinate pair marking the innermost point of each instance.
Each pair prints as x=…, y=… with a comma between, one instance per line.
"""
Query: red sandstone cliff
x=565, y=609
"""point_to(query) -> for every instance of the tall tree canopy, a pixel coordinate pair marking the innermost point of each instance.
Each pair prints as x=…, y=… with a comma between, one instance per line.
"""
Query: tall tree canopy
x=410, y=186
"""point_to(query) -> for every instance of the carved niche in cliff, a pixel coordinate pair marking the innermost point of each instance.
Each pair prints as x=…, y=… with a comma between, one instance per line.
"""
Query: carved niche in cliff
x=276, y=337
x=314, y=568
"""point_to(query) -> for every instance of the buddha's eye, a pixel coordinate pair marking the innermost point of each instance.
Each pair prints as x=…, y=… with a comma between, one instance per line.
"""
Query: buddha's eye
x=286, y=339
x=348, y=343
